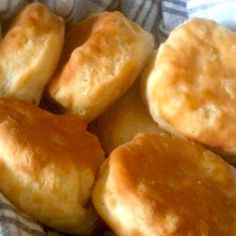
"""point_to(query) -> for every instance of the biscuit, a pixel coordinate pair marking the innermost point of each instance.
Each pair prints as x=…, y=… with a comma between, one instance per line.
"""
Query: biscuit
x=48, y=165
x=190, y=86
x=103, y=55
x=157, y=185
x=123, y=120
x=29, y=53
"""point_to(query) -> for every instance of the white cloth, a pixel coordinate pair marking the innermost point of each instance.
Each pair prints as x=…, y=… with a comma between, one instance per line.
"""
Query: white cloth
x=222, y=11
x=156, y=16
x=13, y=222
x=175, y=12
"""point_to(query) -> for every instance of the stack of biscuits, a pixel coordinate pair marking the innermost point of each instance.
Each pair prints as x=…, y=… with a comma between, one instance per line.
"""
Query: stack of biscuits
x=98, y=125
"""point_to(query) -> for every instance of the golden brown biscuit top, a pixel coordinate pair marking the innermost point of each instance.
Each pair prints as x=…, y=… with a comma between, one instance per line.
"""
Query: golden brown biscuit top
x=106, y=36
x=48, y=165
x=193, y=84
x=29, y=53
x=37, y=15
x=175, y=187
x=103, y=55
x=27, y=126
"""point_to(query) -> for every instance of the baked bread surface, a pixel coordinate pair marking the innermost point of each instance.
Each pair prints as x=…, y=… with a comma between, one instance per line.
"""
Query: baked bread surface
x=103, y=55
x=123, y=120
x=48, y=165
x=157, y=185
x=29, y=53
x=190, y=85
